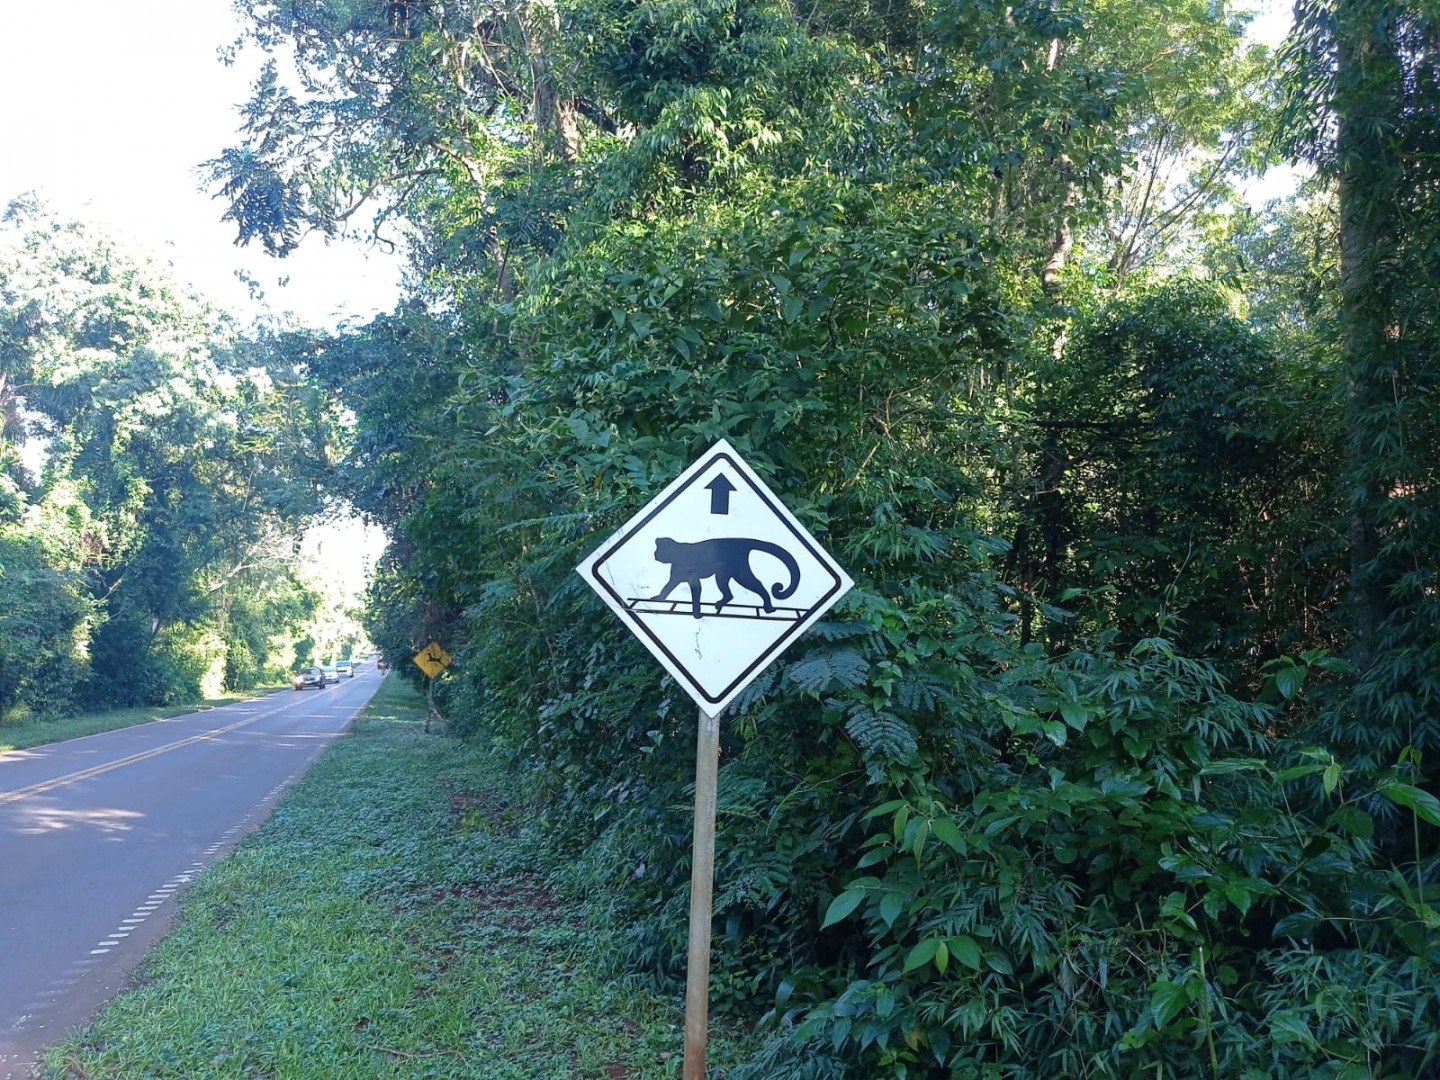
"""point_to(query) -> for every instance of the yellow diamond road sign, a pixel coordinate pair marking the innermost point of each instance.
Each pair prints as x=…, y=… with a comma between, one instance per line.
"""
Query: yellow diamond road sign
x=432, y=659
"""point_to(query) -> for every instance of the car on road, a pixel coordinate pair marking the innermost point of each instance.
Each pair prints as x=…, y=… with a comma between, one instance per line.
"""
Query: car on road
x=331, y=675
x=308, y=677
x=345, y=668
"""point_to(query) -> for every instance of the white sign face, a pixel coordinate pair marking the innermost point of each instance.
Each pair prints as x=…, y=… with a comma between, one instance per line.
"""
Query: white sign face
x=716, y=577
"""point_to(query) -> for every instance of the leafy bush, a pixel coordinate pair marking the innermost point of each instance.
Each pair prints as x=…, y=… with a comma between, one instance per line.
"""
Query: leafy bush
x=941, y=850
x=964, y=830
x=44, y=615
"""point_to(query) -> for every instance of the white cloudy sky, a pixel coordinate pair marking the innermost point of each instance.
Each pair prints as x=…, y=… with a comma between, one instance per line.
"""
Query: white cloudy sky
x=1273, y=19
x=111, y=104
x=109, y=107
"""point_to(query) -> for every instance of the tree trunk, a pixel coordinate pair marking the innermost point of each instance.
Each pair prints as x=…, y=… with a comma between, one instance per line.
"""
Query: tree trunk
x=1064, y=239
x=1367, y=102
x=552, y=111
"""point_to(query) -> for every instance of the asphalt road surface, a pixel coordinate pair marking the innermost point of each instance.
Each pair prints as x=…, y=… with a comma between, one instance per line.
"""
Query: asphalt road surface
x=99, y=834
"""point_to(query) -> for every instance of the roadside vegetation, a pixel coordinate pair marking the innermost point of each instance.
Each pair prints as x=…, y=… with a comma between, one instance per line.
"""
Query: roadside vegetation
x=158, y=471
x=392, y=919
x=1122, y=757
x=152, y=488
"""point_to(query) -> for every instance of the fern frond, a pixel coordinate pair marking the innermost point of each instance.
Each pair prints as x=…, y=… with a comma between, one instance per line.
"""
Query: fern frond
x=921, y=693
x=838, y=631
x=757, y=691
x=829, y=670
x=879, y=733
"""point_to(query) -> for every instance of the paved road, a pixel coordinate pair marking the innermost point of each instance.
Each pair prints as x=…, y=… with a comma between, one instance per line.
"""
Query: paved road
x=98, y=835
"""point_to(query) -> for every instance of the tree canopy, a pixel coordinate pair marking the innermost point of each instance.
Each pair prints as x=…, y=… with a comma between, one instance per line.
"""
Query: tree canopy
x=151, y=557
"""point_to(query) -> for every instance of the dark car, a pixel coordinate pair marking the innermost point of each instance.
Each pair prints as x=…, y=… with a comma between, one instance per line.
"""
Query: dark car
x=307, y=677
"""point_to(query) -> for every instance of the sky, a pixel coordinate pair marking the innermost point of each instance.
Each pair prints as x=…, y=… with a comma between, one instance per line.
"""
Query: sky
x=110, y=106
x=1272, y=20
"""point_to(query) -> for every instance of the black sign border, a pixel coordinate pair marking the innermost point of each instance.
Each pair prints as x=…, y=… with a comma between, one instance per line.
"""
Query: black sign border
x=786, y=518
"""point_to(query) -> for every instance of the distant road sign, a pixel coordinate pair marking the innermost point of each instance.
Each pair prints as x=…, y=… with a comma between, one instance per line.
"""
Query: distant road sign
x=432, y=659
x=716, y=577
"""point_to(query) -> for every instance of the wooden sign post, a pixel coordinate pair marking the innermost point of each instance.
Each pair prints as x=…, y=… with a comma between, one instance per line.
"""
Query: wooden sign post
x=702, y=887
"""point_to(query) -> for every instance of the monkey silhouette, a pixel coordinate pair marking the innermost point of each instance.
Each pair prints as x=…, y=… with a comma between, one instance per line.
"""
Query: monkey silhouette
x=725, y=559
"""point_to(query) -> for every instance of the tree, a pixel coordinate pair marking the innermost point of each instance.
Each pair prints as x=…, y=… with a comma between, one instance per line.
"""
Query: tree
x=46, y=612
x=171, y=449
x=1169, y=476
x=401, y=104
x=1363, y=73
x=1116, y=123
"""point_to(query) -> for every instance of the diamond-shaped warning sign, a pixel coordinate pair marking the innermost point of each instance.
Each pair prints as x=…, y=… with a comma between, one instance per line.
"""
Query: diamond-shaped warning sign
x=432, y=659
x=716, y=577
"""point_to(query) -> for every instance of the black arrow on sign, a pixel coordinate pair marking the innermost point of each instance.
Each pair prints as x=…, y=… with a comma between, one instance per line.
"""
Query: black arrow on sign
x=720, y=489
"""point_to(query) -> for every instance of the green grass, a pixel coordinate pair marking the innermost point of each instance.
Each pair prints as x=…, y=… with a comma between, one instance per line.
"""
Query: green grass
x=28, y=733
x=388, y=921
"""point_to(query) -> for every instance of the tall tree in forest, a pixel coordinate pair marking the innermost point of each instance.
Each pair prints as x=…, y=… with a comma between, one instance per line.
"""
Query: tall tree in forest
x=1365, y=104
x=1113, y=123
x=400, y=105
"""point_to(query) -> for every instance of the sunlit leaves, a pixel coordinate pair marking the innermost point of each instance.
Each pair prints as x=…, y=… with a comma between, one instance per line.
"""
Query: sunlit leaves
x=169, y=467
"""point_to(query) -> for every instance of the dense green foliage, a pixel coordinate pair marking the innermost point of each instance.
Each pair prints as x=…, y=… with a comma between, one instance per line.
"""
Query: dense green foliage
x=1366, y=93
x=149, y=555
x=1119, y=759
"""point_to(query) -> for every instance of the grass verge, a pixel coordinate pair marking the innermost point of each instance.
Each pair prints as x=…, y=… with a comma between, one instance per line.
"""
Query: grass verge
x=389, y=920
x=30, y=733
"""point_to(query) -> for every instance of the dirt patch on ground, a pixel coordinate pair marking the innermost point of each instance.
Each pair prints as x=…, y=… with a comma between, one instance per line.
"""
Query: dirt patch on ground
x=518, y=903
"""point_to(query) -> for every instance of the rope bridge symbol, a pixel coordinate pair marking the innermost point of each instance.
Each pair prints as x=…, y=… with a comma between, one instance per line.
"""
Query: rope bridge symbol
x=643, y=605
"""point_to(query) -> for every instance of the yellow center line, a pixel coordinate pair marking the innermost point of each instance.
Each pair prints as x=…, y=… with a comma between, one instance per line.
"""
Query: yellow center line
x=96, y=770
